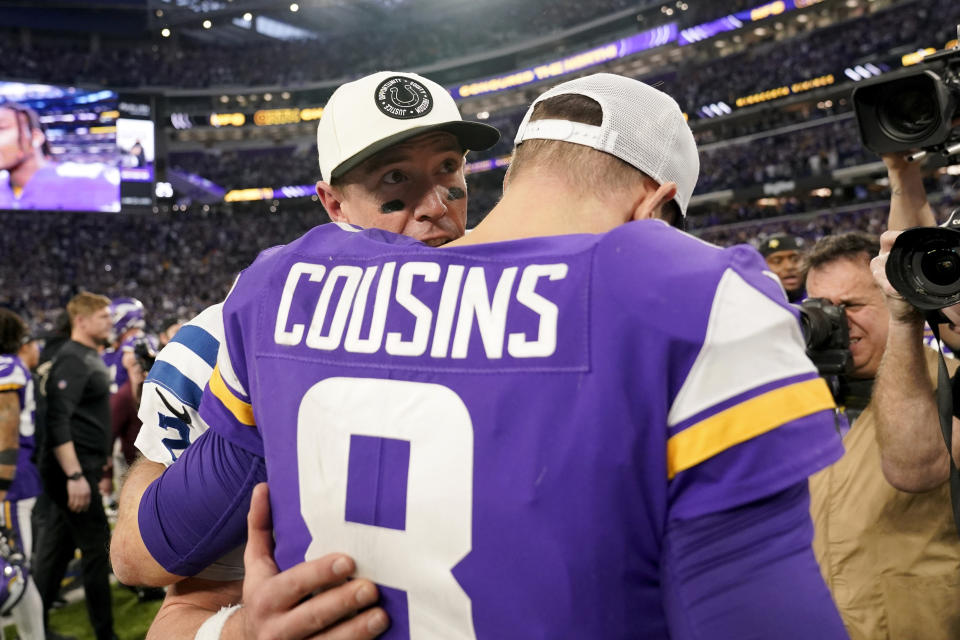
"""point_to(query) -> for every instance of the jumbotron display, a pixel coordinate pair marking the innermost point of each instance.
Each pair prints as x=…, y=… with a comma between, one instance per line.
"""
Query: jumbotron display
x=58, y=148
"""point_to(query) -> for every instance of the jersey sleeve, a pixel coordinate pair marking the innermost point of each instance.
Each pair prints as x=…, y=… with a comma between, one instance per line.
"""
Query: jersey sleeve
x=751, y=417
x=195, y=512
x=749, y=573
x=12, y=377
x=169, y=408
x=226, y=404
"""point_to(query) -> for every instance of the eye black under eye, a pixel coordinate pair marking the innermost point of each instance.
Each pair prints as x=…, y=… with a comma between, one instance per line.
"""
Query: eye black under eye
x=392, y=206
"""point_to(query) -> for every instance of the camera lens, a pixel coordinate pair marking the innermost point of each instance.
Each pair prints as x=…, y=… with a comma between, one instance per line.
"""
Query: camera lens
x=910, y=112
x=940, y=266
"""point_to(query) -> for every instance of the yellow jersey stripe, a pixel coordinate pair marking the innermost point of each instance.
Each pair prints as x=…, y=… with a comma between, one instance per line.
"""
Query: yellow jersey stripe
x=746, y=420
x=241, y=410
x=10, y=387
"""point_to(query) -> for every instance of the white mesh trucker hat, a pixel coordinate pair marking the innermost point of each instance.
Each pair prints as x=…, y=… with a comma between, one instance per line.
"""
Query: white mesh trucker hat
x=642, y=126
x=368, y=115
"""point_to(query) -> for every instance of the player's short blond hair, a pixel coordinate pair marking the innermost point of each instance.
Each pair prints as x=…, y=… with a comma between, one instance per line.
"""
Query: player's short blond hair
x=85, y=303
x=601, y=173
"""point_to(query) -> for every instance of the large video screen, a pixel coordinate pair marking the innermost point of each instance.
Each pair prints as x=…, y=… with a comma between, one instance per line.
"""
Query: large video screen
x=136, y=140
x=58, y=148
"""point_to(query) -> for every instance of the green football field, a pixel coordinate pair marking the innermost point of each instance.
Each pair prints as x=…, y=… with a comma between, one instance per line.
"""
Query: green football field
x=131, y=619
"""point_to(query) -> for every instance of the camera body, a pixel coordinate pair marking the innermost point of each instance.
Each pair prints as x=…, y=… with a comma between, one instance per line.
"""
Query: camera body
x=924, y=265
x=145, y=354
x=912, y=108
x=827, y=338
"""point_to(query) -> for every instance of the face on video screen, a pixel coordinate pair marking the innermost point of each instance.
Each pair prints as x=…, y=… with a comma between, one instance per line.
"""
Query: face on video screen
x=13, y=144
x=58, y=149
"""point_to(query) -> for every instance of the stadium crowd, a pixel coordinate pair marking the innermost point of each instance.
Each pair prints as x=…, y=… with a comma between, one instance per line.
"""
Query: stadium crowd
x=758, y=159
x=153, y=258
x=819, y=52
x=701, y=79
x=190, y=65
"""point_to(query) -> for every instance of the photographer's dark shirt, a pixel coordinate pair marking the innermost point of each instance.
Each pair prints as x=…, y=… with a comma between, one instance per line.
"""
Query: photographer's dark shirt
x=78, y=407
x=856, y=397
x=956, y=394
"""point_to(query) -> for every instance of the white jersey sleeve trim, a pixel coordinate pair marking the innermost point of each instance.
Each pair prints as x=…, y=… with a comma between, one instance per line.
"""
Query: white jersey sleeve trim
x=750, y=341
x=10, y=374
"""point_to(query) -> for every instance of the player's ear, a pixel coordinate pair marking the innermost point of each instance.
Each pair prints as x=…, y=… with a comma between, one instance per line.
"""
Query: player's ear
x=332, y=200
x=38, y=138
x=655, y=197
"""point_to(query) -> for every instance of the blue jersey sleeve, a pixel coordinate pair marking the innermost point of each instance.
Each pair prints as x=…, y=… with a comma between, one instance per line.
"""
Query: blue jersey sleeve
x=172, y=392
x=748, y=573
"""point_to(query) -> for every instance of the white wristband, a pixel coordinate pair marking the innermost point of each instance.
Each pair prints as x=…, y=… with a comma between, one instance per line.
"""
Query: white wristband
x=211, y=628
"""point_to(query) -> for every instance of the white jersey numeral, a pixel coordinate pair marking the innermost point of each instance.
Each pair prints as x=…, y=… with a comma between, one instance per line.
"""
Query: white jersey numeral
x=419, y=559
x=113, y=379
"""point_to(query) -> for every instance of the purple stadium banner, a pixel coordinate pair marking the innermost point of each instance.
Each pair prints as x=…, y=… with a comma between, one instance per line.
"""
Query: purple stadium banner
x=736, y=21
x=649, y=39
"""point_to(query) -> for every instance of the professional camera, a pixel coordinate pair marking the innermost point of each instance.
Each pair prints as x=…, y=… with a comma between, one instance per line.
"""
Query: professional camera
x=824, y=327
x=145, y=353
x=924, y=265
x=913, y=108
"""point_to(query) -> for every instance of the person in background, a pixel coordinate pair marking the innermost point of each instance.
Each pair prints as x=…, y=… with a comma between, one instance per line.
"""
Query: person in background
x=75, y=450
x=783, y=255
x=19, y=480
x=884, y=532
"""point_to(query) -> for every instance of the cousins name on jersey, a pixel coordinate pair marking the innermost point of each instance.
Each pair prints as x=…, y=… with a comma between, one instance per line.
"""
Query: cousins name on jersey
x=434, y=308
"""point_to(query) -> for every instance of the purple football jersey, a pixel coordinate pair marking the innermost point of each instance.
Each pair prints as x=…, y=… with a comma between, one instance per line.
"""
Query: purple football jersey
x=113, y=358
x=500, y=434
x=14, y=376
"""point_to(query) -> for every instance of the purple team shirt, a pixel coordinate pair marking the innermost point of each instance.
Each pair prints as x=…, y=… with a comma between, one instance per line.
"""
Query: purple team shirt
x=502, y=434
x=113, y=358
x=53, y=188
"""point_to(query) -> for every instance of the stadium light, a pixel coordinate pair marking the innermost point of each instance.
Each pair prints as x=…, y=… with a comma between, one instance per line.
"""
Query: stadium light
x=207, y=24
x=248, y=16
x=852, y=74
x=294, y=7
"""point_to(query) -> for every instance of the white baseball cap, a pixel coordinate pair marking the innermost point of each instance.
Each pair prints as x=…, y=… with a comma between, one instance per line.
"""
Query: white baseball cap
x=368, y=115
x=642, y=126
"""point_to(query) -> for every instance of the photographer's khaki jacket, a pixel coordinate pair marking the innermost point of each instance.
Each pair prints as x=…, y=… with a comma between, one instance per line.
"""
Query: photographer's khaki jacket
x=891, y=559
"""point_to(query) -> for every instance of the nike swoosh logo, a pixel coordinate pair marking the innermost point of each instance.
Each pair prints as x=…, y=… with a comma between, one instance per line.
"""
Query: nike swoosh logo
x=181, y=414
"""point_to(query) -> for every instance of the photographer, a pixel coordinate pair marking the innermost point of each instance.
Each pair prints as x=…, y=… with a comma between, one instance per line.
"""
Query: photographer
x=890, y=558
x=912, y=449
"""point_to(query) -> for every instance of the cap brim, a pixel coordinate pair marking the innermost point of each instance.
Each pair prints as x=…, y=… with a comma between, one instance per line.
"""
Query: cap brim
x=472, y=136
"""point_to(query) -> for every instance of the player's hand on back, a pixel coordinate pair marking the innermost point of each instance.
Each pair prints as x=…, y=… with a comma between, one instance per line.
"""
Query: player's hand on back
x=274, y=605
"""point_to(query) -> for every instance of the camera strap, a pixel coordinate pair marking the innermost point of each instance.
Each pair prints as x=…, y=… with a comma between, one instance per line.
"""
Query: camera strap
x=945, y=410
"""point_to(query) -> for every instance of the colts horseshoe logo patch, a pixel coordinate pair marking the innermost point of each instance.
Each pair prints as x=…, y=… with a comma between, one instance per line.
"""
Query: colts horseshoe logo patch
x=403, y=98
